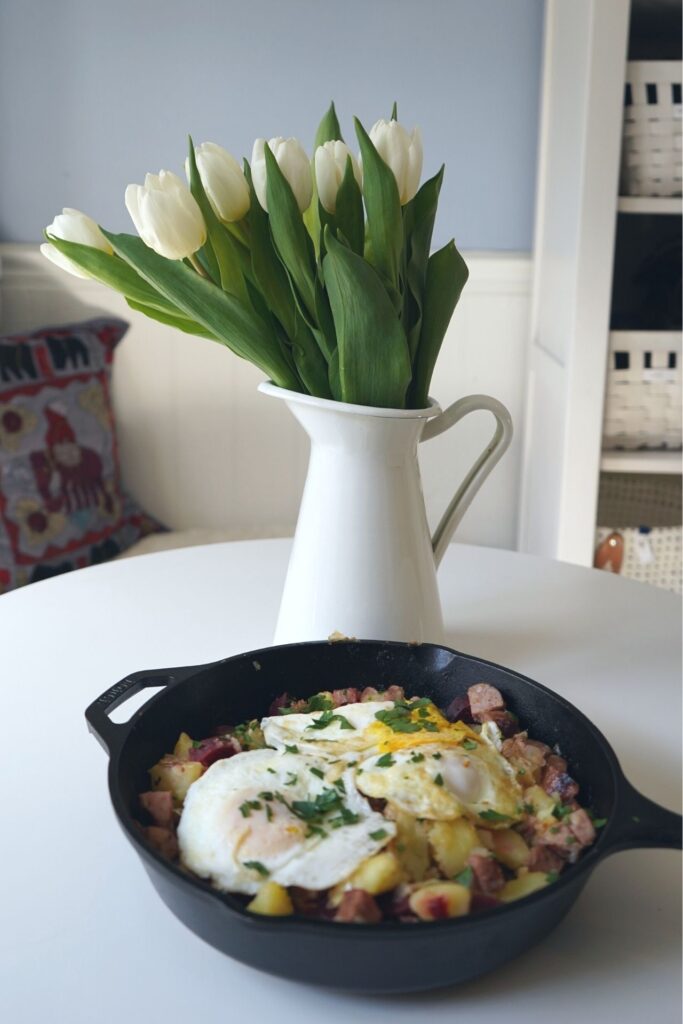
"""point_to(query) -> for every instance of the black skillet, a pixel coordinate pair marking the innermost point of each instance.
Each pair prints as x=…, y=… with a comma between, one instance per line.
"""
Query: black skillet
x=386, y=957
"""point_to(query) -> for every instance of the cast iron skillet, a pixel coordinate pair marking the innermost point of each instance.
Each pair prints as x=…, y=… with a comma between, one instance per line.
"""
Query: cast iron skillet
x=387, y=957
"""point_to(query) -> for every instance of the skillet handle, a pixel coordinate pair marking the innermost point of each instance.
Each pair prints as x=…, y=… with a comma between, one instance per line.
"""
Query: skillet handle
x=109, y=733
x=640, y=822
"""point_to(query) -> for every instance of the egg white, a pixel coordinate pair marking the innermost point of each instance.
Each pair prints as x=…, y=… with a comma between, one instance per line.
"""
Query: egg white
x=216, y=837
x=336, y=739
x=441, y=782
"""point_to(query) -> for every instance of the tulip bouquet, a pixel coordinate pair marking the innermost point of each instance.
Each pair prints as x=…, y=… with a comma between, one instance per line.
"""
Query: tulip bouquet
x=318, y=272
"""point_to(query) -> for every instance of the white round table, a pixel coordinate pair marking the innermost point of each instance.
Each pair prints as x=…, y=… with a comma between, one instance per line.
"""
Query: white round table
x=85, y=938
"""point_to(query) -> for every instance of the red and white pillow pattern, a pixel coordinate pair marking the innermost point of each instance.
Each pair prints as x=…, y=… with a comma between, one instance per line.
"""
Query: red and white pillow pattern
x=61, y=501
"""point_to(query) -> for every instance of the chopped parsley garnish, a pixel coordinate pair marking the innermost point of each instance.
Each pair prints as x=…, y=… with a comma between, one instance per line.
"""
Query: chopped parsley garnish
x=469, y=745
x=570, y=840
x=555, y=829
x=256, y=865
x=416, y=758
x=266, y=795
x=493, y=816
x=522, y=771
x=339, y=783
x=464, y=877
x=561, y=811
x=551, y=877
x=317, y=772
x=315, y=830
x=327, y=718
x=381, y=833
x=385, y=761
x=269, y=812
x=248, y=806
x=196, y=744
x=528, y=808
x=599, y=822
x=272, y=771
x=291, y=779
x=319, y=702
x=291, y=748
x=438, y=779
x=398, y=718
x=437, y=756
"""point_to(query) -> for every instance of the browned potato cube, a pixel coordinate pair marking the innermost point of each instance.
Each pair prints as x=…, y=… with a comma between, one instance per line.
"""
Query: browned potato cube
x=434, y=901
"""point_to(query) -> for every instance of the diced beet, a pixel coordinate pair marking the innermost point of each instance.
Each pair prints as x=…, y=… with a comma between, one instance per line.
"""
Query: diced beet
x=280, y=702
x=555, y=780
x=483, y=901
x=214, y=749
x=459, y=709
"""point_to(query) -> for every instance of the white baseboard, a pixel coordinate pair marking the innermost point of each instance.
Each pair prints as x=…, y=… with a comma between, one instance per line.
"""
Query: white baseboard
x=200, y=448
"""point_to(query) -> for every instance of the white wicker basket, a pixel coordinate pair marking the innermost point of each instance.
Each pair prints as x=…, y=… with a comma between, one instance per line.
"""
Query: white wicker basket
x=645, y=509
x=651, y=151
x=643, y=394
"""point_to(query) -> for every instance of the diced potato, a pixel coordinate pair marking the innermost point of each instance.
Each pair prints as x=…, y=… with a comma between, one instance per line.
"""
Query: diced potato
x=485, y=838
x=378, y=874
x=183, y=746
x=271, y=899
x=542, y=803
x=412, y=846
x=522, y=886
x=451, y=843
x=175, y=776
x=510, y=849
x=437, y=900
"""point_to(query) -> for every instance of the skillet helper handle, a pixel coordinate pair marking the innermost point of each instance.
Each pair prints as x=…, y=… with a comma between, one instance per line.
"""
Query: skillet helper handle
x=109, y=733
x=640, y=822
x=491, y=455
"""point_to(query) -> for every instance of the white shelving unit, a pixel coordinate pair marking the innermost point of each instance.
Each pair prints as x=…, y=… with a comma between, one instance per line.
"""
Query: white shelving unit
x=641, y=462
x=650, y=204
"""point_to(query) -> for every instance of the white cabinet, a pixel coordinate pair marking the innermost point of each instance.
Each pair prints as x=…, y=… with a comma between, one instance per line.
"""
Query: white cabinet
x=576, y=215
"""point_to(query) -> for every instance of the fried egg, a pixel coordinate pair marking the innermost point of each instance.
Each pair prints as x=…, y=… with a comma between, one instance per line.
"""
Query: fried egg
x=339, y=733
x=270, y=814
x=443, y=782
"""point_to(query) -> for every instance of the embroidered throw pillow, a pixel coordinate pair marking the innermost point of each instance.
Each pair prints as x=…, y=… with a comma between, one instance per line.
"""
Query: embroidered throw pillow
x=61, y=502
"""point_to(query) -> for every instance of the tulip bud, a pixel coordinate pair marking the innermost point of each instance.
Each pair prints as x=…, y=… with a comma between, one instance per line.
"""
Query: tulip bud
x=223, y=180
x=294, y=164
x=166, y=215
x=403, y=154
x=73, y=226
x=330, y=166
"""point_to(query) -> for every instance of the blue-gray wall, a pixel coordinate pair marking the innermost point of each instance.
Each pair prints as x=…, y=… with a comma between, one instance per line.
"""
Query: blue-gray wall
x=93, y=93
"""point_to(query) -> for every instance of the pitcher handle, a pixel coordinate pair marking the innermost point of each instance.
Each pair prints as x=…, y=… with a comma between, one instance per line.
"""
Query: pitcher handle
x=491, y=455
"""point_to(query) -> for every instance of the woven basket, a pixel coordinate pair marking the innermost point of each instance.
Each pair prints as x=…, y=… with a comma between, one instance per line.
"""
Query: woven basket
x=651, y=151
x=643, y=394
x=646, y=510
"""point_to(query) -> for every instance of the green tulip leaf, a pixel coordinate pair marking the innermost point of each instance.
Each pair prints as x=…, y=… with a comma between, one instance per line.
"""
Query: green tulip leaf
x=268, y=271
x=419, y=216
x=291, y=239
x=328, y=129
x=181, y=323
x=115, y=273
x=310, y=363
x=394, y=112
x=218, y=312
x=223, y=246
x=374, y=362
x=349, y=216
x=447, y=275
x=383, y=206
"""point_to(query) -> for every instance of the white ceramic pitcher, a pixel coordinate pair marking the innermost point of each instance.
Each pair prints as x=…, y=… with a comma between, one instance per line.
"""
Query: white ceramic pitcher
x=363, y=563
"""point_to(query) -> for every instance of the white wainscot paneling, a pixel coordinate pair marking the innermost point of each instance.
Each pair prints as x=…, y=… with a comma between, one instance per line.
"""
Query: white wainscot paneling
x=200, y=448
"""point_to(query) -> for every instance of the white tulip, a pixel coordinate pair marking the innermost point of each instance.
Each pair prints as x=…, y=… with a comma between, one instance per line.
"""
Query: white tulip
x=402, y=152
x=73, y=226
x=292, y=161
x=330, y=167
x=166, y=215
x=223, y=180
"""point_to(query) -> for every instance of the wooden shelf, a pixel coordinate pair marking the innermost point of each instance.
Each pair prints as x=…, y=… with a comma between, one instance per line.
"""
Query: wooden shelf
x=650, y=204
x=641, y=462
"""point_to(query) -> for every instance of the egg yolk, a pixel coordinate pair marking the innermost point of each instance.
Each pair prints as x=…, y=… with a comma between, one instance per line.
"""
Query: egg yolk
x=427, y=717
